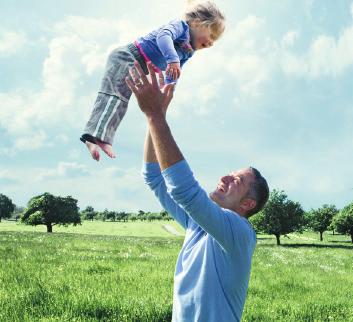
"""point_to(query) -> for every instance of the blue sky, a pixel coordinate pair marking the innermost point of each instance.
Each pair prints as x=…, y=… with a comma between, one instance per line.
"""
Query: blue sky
x=275, y=92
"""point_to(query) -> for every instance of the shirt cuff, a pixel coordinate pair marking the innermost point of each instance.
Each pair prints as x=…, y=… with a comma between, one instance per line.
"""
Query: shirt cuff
x=178, y=174
x=150, y=168
x=173, y=60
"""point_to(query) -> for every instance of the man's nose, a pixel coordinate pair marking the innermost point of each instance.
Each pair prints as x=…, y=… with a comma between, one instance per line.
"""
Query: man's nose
x=226, y=179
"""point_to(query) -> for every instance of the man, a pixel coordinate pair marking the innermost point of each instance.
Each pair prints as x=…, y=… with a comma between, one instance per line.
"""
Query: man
x=213, y=267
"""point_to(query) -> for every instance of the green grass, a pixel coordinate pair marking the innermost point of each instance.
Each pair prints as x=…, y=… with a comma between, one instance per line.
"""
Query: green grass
x=302, y=280
x=110, y=272
x=136, y=229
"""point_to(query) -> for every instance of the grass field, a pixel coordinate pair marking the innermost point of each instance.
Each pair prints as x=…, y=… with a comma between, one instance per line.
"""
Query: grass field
x=124, y=272
x=136, y=229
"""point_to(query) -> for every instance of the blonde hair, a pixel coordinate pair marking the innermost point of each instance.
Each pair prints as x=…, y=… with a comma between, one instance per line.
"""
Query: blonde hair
x=205, y=13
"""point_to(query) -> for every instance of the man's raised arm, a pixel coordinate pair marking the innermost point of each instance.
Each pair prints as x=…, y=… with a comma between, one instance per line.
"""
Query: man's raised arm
x=154, y=179
x=149, y=155
x=166, y=150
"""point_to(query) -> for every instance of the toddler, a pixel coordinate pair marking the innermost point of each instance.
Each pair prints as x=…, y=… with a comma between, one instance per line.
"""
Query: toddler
x=168, y=48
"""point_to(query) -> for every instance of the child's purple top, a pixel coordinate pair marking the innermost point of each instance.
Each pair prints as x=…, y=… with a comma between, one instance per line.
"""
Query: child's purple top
x=168, y=44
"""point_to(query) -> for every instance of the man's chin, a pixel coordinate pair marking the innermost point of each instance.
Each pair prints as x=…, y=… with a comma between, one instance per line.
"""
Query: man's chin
x=214, y=195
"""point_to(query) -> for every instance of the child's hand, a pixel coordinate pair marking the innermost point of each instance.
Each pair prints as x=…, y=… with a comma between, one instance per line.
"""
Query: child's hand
x=173, y=70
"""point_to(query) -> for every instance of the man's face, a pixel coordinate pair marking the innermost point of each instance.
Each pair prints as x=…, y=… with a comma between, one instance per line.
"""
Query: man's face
x=232, y=189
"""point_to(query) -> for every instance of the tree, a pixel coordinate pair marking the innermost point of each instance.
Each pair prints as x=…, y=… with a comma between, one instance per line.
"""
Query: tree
x=6, y=207
x=321, y=218
x=89, y=213
x=104, y=214
x=50, y=210
x=108, y=215
x=141, y=215
x=280, y=216
x=122, y=216
x=343, y=221
x=165, y=215
x=257, y=222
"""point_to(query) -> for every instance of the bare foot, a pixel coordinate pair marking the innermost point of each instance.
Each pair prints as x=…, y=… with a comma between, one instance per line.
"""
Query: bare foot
x=93, y=149
x=107, y=148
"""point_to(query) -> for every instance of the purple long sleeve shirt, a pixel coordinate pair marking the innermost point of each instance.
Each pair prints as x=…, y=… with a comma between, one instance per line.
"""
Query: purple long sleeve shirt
x=213, y=267
x=168, y=44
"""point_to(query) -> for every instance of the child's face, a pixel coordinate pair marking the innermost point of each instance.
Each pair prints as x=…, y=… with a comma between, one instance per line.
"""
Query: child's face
x=201, y=36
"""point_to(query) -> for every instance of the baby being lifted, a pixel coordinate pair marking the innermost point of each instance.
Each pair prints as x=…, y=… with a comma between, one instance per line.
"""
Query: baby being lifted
x=168, y=48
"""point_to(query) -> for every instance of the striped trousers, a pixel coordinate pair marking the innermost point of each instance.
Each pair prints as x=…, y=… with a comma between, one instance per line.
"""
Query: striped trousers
x=113, y=97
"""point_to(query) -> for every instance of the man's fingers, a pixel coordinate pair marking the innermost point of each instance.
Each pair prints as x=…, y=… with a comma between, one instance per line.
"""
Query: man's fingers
x=169, y=90
x=152, y=73
x=133, y=73
x=131, y=85
x=140, y=72
x=161, y=79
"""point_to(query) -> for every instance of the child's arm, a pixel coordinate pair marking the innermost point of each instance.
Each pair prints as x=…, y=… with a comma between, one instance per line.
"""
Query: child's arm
x=165, y=41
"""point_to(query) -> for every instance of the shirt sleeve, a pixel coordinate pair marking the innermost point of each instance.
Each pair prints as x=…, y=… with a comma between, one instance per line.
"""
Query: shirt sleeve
x=153, y=178
x=224, y=225
x=165, y=40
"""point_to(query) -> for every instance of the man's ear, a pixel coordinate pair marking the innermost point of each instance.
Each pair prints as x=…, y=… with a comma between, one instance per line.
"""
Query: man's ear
x=248, y=204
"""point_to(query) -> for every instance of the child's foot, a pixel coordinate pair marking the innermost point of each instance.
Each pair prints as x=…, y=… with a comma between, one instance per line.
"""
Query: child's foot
x=107, y=148
x=93, y=149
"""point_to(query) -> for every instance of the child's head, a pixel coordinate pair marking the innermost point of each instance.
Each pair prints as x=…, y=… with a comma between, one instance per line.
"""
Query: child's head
x=206, y=23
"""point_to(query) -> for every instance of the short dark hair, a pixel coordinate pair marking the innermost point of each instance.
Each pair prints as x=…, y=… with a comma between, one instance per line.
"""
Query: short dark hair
x=258, y=191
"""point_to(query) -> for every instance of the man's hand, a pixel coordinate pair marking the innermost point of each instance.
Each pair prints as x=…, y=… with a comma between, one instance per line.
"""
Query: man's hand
x=153, y=96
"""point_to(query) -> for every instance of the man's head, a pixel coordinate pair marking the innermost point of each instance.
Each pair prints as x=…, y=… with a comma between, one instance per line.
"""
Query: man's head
x=244, y=191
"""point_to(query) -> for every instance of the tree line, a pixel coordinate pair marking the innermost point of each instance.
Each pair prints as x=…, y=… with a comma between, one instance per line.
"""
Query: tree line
x=279, y=217
x=282, y=216
x=49, y=210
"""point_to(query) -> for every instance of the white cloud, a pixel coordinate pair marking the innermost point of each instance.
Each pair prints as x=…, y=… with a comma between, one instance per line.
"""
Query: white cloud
x=32, y=142
x=250, y=55
x=62, y=138
x=11, y=42
x=79, y=48
x=64, y=169
x=289, y=38
x=73, y=154
x=326, y=56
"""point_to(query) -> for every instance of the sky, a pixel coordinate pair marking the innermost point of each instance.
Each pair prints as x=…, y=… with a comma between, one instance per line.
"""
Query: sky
x=275, y=92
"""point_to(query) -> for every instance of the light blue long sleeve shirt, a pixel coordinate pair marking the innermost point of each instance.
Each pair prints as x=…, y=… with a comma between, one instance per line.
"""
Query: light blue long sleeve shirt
x=213, y=268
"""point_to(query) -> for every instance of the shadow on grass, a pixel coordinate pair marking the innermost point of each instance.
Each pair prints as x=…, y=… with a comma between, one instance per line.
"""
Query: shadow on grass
x=265, y=238
x=340, y=241
x=308, y=246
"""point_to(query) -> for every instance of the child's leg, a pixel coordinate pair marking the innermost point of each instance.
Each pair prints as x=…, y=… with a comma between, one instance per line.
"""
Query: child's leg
x=112, y=100
x=100, y=129
x=106, y=129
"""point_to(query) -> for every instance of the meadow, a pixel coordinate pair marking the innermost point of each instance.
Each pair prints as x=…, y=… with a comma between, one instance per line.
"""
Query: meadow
x=104, y=271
